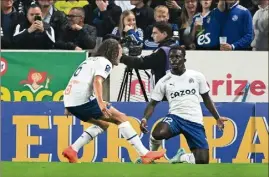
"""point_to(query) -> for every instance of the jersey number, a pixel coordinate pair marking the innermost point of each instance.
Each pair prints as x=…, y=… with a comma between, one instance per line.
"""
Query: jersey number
x=76, y=73
x=168, y=120
x=68, y=89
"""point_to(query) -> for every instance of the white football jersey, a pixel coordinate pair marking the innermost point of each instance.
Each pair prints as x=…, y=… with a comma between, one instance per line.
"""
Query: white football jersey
x=183, y=93
x=80, y=87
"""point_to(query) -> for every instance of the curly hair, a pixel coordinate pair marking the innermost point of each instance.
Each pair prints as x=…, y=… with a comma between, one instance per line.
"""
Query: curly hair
x=109, y=49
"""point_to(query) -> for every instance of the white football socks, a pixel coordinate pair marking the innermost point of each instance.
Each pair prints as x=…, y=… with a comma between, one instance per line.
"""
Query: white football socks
x=154, y=144
x=88, y=135
x=131, y=136
x=188, y=157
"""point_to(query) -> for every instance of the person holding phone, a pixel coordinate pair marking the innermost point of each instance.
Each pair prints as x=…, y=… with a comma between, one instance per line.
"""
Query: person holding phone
x=38, y=34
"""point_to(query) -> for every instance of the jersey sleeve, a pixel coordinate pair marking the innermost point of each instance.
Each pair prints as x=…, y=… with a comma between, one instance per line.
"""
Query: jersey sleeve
x=159, y=91
x=103, y=68
x=203, y=86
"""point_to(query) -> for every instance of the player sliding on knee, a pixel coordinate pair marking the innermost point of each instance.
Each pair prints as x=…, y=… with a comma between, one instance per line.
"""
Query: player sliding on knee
x=83, y=98
x=182, y=88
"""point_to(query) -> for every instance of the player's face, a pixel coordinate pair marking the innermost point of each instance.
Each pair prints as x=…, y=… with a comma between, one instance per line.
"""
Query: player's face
x=177, y=60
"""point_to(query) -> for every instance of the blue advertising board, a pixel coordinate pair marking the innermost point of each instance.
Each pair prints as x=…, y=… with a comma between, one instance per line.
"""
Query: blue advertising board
x=38, y=131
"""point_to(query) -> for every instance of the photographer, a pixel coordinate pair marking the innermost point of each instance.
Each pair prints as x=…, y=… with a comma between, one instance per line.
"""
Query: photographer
x=158, y=60
x=33, y=33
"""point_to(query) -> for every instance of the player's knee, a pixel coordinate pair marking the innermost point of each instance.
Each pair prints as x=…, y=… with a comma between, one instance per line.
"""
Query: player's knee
x=158, y=134
x=120, y=118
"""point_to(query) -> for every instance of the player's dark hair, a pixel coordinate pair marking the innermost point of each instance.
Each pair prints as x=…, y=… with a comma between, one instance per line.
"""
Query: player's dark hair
x=164, y=27
x=109, y=49
x=181, y=48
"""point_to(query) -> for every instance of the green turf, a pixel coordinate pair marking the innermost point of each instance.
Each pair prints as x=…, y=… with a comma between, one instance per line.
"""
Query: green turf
x=15, y=169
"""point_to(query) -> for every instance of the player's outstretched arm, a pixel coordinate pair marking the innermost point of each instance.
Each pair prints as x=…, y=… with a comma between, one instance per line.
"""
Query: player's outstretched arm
x=147, y=114
x=210, y=105
x=150, y=109
x=98, y=90
x=213, y=110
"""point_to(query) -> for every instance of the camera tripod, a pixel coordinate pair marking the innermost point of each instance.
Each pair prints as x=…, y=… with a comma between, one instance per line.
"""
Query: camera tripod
x=128, y=73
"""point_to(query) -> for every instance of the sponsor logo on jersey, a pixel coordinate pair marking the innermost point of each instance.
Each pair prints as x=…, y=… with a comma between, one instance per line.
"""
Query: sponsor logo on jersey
x=182, y=93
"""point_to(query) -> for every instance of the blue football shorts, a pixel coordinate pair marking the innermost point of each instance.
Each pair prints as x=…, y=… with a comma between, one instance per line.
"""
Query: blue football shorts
x=87, y=111
x=193, y=132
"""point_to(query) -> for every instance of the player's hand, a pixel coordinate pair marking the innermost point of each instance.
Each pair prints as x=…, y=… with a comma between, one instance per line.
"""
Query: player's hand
x=220, y=122
x=106, y=112
x=67, y=113
x=143, y=126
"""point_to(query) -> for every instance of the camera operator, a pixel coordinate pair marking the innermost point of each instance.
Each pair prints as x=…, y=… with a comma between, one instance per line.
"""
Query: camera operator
x=158, y=60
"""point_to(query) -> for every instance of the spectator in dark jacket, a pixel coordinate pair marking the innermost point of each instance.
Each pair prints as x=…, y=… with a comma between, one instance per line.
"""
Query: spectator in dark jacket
x=144, y=14
x=106, y=16
x=88, y=9
x=33, y=33
x=77, y=35
x=158, y=61
x=9, y=19
x=54, y=17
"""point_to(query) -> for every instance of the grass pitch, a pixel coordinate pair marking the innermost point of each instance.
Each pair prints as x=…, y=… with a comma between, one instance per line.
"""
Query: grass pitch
x=16, y=169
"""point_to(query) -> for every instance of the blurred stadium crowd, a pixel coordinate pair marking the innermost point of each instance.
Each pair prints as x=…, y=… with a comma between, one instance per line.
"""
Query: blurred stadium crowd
x=82, y=24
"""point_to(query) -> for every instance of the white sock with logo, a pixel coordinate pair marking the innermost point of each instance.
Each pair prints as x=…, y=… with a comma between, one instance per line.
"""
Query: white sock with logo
x=188, y=157
x=88, y=135
x=131, y=136
x=154, y=144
